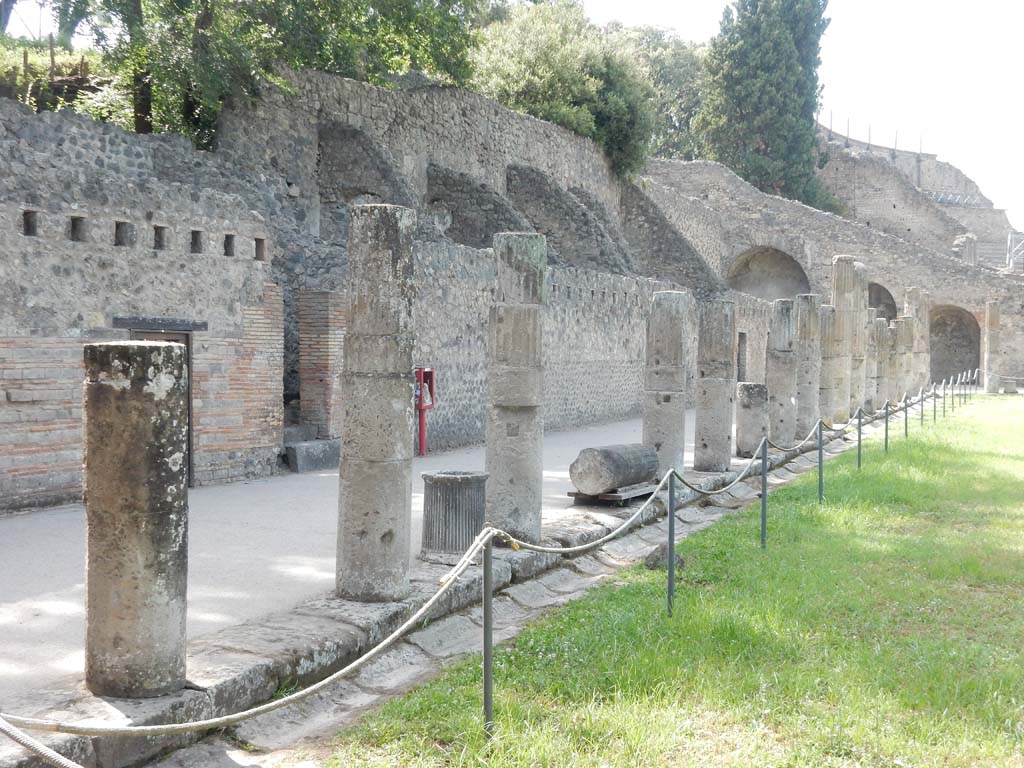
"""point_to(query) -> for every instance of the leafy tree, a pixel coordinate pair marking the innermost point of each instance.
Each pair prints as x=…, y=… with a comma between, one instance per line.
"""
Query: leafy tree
x=761, y=93
x=547, y=60
x=184, y=57
x=675, y=68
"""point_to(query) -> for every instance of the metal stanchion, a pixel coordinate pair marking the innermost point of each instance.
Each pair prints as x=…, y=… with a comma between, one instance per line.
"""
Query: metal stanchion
x=860, y=418
x=821, y=463
x=934, y=405
x=489, y=639
x=952, y=396
x=920, y=399
x=906, y=415
x=764, y=492
x=671, y=540
x=943, y=398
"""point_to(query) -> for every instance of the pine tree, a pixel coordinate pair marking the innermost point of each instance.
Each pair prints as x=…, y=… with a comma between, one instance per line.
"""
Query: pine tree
x=761, y=94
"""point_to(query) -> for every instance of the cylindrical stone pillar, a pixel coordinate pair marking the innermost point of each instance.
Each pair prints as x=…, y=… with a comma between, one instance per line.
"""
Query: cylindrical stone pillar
x=917, y=305
x=858, y=337
x=515, y=387
x=990, y=347
x=751, y=417
x=808, y=362
x=880, y=334
x=904, y=353
x=715, y=386
x=892, y=367
x=780, y=373
x=136, y=503
x=845, y=284
x=830, y=346
x=375, y=486
x=664, y=397
x=870, y=360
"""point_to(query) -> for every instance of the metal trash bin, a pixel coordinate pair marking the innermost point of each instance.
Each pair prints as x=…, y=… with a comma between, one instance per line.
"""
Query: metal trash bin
x=453, y=510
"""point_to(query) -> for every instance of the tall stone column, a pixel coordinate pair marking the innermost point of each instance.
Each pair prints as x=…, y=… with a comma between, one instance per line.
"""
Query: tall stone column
x=136, y=503
x=844, y=298
x=781, y=373
x=751, y=417
x=831, y=345
x=667, y=353
x=808, y=362
x=903, y=352
x=892, y=364
x=917, y=305
x=870, y=360
x=375, y=490
x=990, y=348
x=515, y=387
x=715, y=385
x=858, y=337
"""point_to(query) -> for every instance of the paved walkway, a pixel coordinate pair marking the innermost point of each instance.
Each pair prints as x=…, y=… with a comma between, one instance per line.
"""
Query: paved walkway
x=254, y=548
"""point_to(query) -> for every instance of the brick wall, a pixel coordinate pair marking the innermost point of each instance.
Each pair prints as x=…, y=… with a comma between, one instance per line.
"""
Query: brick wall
x=322, y=322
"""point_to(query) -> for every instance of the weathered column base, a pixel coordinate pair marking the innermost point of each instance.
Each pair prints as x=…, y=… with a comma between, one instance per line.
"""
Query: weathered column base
x=714, y=400
x=664, y=419
x=751, y=417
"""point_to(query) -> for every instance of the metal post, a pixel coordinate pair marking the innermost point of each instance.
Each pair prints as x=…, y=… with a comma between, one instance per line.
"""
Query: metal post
x=886, y=426
x=671, y=539
x=860, y=422
x=906, y=416
x=934, y=405
x=764, y=492
x=943, y=398
x=920, y=397
x=489, y=639
x=821, y=463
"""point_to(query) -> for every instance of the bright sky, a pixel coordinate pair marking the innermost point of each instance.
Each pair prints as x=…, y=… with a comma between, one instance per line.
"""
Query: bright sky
x=945, y=74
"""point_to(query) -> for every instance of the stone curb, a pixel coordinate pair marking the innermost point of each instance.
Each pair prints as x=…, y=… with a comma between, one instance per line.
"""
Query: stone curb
x=246, y=664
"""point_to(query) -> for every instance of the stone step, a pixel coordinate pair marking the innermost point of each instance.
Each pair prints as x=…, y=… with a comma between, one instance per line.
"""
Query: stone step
x=299, y=433
x=313, y=455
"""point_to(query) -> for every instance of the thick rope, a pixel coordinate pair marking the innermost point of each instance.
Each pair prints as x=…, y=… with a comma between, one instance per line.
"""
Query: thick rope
x=37, y=748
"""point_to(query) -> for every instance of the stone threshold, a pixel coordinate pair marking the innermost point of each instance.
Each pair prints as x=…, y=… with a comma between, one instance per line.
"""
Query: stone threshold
x=247, y=664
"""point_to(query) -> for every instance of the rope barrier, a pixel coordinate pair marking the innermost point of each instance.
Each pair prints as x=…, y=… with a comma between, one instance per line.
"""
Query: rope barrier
x=798, y=446
x=9, y=724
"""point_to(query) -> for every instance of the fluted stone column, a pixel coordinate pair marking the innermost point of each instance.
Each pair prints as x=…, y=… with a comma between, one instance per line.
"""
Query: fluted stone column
x=844, y=298
x=990, y=348
x=665, y=371
x=715, y=385
x=831, y=344
x=751, y=417
x=808, y=362
x=870, y=360
x=780, y=373
x=515, y=385
x=136, y=502
x=375, y=485
x=858, y=337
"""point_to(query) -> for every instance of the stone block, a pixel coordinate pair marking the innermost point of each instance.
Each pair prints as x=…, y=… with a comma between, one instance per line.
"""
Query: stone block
x=314, y=456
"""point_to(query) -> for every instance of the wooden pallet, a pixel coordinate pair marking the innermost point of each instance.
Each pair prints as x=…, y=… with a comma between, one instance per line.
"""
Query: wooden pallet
x=620, y=496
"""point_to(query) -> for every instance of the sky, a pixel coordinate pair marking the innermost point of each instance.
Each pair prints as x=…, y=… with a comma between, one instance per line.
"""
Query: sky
x=945, y=75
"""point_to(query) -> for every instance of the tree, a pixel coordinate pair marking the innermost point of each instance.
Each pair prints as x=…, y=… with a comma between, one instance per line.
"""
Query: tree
x=761, y=93
x=547, y=60
x=675, y=68
x=182, y=58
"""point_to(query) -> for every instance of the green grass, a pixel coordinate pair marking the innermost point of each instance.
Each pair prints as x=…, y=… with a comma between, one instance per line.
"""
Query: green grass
x=883, y=629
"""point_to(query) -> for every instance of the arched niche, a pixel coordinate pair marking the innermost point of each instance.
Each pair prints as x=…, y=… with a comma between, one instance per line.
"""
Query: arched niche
x=881, y=299
x=955, y=341
x=768, y=273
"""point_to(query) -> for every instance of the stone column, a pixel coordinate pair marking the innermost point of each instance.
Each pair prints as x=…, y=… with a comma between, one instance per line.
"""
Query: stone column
x=892, y=360
x=808, y=362
x=858, y=337
x=715, y=385
x=664, y=397
x=870, y=360
x=903, y=352
x=830, y=360
x=844, y=297
x=880, y=336
x=136, y=502
x=515, y=387
x=375, y=490
x=917, y=305
x=780, y=373
x=751, y=417
x=990, y=348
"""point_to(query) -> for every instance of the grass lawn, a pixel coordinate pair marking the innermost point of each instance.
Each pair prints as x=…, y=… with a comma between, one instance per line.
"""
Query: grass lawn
x=885, y=628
